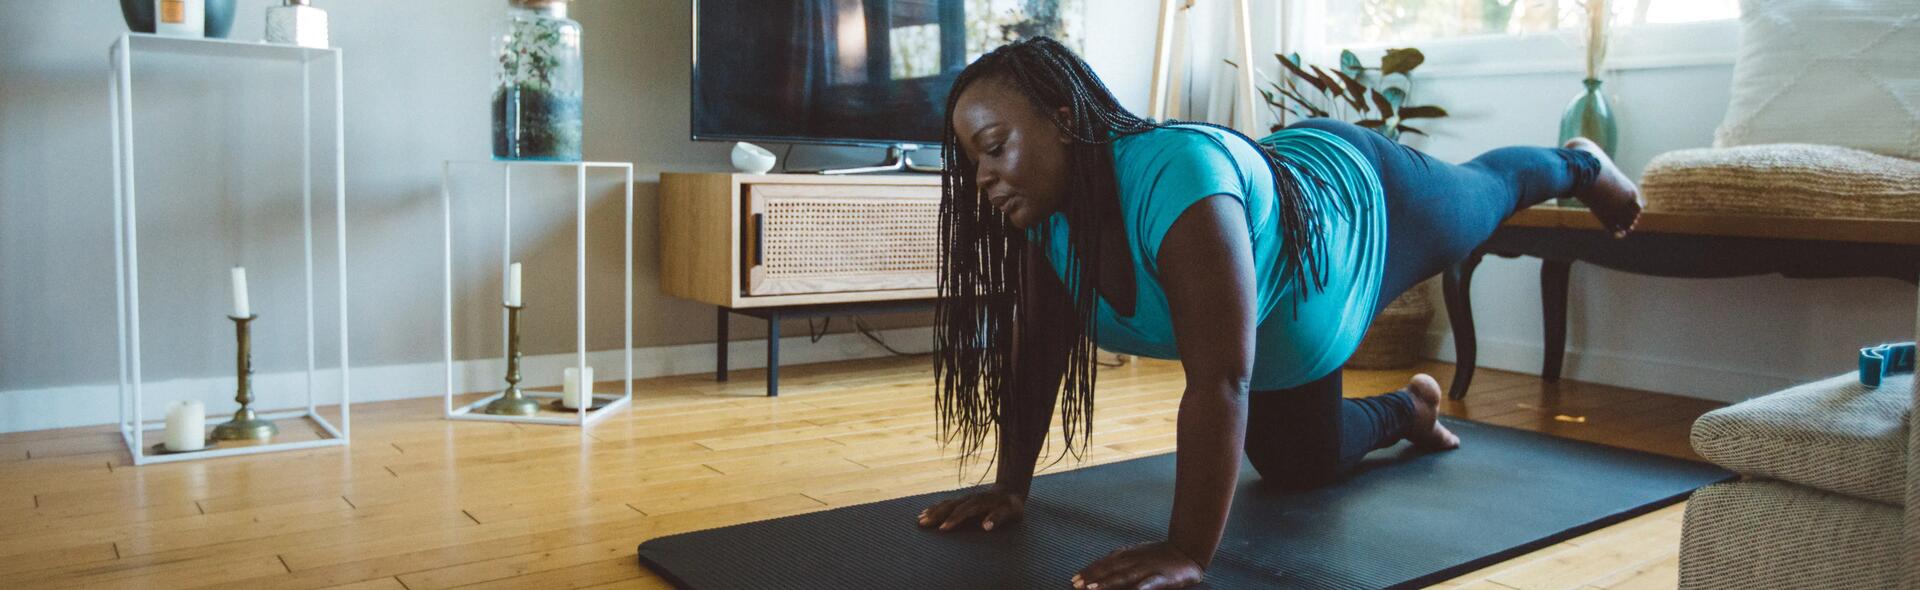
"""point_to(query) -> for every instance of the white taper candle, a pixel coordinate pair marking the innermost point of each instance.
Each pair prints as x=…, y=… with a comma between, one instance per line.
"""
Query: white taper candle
x=186, y=426
x=240, y=307
x=513, y=284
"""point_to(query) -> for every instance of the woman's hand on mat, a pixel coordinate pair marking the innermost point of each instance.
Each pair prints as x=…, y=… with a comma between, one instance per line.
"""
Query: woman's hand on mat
x=1153, y=566
x=990, y=509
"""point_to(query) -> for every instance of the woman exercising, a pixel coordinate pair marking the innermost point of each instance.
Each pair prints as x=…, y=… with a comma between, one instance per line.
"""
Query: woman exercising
x=1068, y=222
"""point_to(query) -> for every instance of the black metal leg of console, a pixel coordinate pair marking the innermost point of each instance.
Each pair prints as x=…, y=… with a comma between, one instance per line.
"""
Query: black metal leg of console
x=720, y=345
x=773, y=315
x=773, y=354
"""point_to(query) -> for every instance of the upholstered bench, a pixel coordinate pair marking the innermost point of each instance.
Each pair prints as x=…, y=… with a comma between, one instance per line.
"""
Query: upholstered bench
x=1826, y=469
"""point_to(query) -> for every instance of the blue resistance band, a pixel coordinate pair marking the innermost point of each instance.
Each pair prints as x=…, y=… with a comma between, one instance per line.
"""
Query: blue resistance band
x=1877, y=362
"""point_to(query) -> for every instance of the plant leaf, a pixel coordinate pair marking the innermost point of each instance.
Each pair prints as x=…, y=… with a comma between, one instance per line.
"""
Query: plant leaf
x=1350, y=64
x=1294, y=68
x=1380, y=100
x=1395, y=95
x=1327, y=80
x=1401, y=61
x=1312, y=108
x=1356, y=92
x=1370, y=123
x=1423, y=112
x=1410, y=130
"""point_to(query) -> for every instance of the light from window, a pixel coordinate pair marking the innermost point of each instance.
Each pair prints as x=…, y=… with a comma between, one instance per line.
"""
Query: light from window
x=916, y=51
x=1361, y=22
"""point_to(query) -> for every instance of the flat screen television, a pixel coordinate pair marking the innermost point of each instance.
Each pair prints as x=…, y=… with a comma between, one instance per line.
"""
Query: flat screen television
x=851, y=72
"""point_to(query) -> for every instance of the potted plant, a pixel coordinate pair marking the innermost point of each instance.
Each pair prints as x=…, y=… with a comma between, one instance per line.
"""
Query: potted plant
x=1375, y=98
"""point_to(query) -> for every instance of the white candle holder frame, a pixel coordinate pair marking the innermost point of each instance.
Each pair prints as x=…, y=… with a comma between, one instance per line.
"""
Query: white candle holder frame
x=583, y=416
x=126, y=254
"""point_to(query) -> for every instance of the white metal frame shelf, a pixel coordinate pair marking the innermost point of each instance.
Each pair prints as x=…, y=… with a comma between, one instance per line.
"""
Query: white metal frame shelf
x=126, y=236
x=583, y=417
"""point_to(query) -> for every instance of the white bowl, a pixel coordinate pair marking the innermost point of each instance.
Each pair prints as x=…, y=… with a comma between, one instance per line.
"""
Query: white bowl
x=751, y=159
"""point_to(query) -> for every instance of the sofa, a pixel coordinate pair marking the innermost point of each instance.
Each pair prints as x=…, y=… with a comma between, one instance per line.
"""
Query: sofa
x=1829, y=473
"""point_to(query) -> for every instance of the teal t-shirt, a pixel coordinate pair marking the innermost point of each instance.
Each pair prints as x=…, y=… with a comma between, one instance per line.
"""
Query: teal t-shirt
x=1164, y=171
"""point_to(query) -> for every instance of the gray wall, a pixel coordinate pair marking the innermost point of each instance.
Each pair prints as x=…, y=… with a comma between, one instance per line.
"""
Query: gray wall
x=214, y=137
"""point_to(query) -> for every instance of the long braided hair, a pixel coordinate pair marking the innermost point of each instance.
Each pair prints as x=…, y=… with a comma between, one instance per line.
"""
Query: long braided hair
x=983, y=256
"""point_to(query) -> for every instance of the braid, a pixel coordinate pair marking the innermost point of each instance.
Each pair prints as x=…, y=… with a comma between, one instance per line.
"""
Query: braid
x=983, y=257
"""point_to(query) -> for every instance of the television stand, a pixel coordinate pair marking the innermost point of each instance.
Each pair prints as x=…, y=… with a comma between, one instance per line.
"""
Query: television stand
x=777, y=246
x=897, y=161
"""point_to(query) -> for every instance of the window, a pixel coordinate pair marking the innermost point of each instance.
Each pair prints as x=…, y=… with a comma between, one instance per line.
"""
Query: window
x=1502, y=37
x=1371, y=22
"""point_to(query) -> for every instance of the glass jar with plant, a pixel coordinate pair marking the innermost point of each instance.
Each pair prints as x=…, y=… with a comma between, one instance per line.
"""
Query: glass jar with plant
x=536, y=98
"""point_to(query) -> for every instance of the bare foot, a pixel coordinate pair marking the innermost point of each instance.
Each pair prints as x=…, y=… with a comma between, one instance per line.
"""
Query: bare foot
x=1613, y=198
x=1427, y=432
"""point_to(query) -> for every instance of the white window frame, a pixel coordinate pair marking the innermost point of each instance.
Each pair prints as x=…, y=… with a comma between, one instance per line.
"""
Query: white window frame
x=1637, y=47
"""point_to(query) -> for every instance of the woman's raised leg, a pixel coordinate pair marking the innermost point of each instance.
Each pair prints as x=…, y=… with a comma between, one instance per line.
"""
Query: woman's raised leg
x=1437, y=212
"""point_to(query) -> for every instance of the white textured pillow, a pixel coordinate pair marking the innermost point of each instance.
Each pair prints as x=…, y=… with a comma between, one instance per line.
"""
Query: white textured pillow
x=1836, y=72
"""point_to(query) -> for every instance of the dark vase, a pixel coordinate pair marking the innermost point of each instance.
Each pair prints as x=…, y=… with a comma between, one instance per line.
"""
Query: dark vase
x=139, y=15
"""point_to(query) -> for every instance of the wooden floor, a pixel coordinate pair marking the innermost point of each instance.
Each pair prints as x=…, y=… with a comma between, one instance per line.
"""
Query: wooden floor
x=418, y=502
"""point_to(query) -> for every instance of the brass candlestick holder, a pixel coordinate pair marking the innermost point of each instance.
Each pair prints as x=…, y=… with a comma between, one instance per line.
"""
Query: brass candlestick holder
x=245, y=425
x=512, y=402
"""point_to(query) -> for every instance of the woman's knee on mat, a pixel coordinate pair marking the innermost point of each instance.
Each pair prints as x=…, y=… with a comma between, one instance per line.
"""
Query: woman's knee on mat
x=1295, y=470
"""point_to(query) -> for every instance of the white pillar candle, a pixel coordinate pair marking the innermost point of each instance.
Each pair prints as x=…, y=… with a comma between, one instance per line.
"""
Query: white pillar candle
x=240, y=307
x=513, y=284
x=574, y=389
x=186, y=426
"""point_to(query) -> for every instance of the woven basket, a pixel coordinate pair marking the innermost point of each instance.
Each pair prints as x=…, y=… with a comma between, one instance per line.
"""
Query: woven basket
x=1398, y=334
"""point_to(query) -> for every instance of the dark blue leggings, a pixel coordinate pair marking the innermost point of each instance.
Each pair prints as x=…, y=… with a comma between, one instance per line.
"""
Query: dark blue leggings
x=1437, y=213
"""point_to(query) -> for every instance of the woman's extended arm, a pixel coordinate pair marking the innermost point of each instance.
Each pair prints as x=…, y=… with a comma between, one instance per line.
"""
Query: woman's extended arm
x=1042, y=336
x=1206, y=268
x=1043, y=332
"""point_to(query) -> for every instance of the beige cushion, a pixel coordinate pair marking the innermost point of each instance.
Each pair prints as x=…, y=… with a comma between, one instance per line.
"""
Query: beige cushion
x=1835, y=435
x=1799, y=180
x=1836, y=72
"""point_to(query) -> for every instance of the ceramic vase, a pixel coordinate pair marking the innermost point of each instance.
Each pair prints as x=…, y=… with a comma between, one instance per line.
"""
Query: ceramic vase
x=1591, y=117
x=139, y=16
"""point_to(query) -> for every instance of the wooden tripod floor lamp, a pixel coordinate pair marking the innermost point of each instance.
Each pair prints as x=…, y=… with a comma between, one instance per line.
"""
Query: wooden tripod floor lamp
x=1164, y=96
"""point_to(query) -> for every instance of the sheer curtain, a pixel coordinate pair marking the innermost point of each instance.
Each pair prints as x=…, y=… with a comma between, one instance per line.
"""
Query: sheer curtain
x=1279, y=27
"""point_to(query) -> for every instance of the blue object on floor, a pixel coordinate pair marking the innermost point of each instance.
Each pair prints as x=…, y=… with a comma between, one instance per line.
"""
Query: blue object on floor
x=1403, y=519
x=1877, y=362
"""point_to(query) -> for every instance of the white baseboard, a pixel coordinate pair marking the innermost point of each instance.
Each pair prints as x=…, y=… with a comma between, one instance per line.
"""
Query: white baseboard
x=1623, y=370
x=87, y=405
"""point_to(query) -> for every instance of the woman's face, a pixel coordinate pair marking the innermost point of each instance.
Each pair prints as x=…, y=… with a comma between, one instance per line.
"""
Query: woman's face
x=1020, y=157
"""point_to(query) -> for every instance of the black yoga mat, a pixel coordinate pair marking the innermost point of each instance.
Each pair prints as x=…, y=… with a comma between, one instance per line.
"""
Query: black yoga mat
x=1404, y=519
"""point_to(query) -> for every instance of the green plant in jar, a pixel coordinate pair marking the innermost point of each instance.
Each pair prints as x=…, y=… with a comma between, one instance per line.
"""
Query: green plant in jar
x=537, y=98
